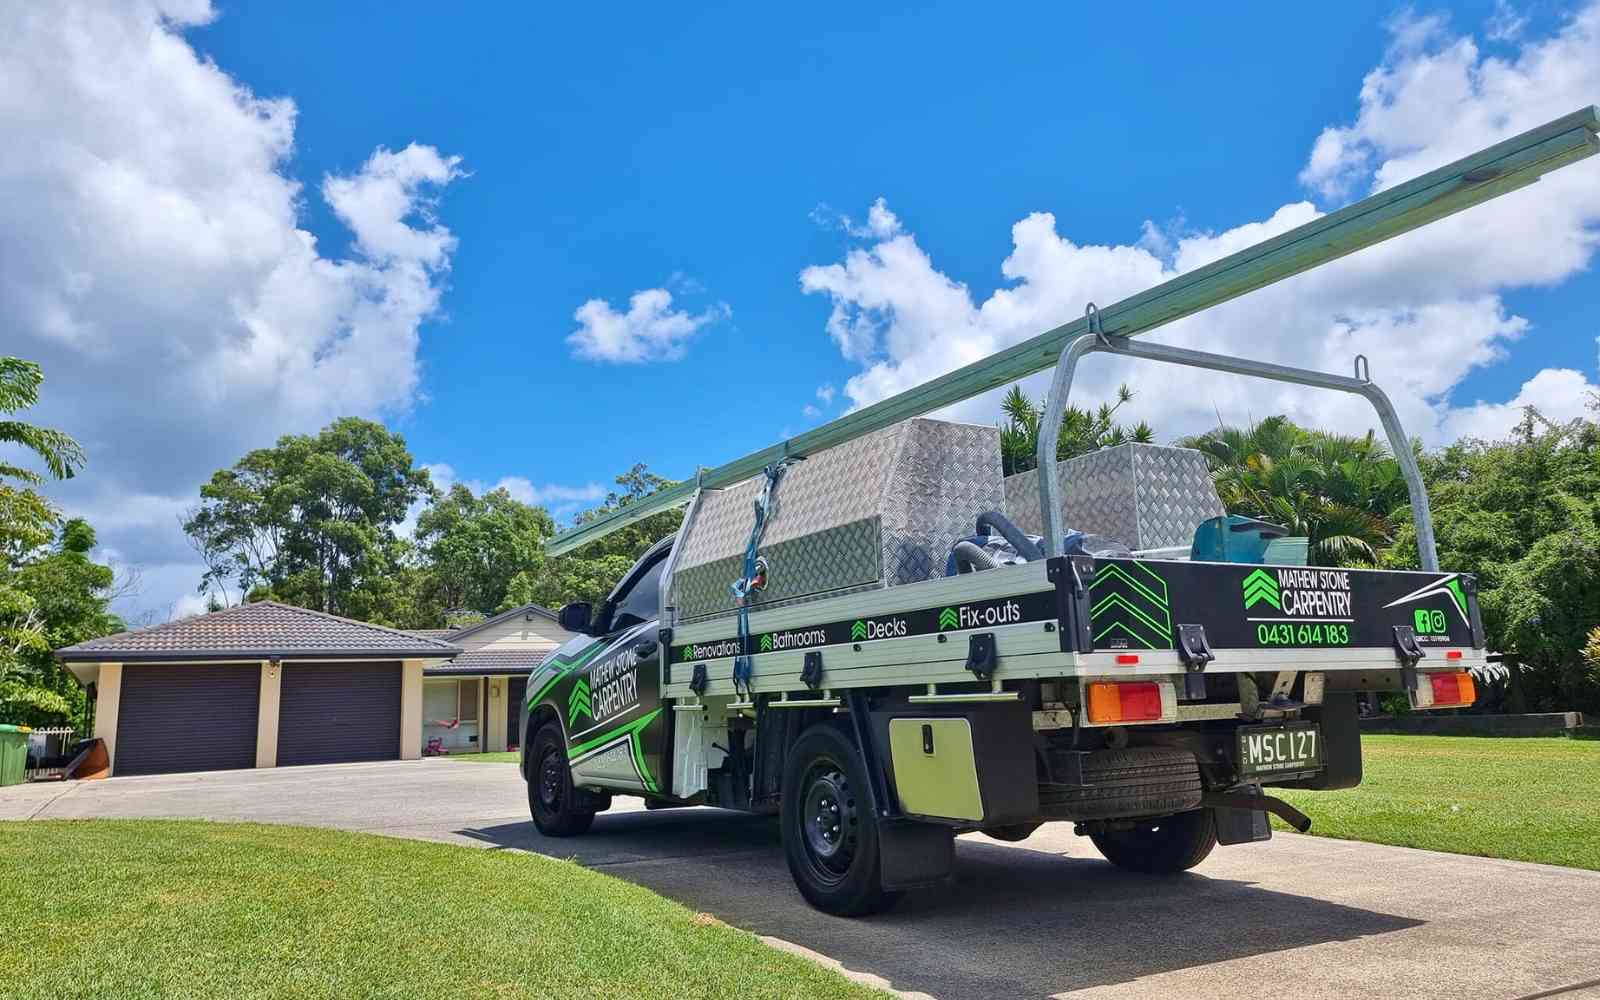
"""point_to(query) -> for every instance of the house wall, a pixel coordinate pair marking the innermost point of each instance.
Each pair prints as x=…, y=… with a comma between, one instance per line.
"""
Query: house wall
x=539, y=635
x=494, y=723
x=411, y=710
x=106, y=703
x=267, y=714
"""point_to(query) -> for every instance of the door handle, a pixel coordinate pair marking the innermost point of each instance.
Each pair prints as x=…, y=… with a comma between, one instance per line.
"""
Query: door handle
x=645, y=649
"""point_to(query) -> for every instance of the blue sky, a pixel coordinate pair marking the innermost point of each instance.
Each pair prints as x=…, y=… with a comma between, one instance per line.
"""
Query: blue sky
x=609, y=151
x=718, y=154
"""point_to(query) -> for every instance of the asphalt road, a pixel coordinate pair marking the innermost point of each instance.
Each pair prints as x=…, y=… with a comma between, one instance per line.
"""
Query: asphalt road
x=1298, y=917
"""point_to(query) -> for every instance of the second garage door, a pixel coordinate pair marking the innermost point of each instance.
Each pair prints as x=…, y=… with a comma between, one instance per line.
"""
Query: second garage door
x=336, y=712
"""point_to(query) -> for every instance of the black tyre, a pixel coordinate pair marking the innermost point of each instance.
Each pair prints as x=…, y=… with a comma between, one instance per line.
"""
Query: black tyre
x=1135, y=781
x=1162, y=846
x=830, y=836
x=558, y=809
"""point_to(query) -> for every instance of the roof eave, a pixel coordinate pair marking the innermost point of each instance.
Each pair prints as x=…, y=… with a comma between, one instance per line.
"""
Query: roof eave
x=70, y=655
x=449, y=671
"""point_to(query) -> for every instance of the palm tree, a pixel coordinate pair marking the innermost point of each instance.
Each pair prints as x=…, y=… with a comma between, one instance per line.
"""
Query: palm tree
x=1341, y=491
x=1082, y=431
x=19, y=389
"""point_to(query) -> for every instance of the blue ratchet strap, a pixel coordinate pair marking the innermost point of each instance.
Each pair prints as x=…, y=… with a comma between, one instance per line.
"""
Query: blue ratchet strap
x=753, y=579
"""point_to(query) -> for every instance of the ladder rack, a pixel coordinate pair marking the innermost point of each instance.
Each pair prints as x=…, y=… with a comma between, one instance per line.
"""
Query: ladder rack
x=1489, y=173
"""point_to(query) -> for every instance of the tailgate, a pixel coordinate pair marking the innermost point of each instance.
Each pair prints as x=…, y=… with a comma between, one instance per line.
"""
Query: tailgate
x=1138, y=604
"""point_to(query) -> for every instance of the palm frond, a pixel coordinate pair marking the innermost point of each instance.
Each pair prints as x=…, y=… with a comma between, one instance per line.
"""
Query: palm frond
x=62, y=455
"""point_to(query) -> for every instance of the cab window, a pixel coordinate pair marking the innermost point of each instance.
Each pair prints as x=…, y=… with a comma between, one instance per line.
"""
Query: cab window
x=641, y=602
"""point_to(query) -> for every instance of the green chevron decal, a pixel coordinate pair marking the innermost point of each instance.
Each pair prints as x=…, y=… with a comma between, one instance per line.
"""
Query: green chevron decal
x=766, y=643
x=578, y=701
x=858, y=631
x=562, y=668
x=1261, y=586
x=632, y=731
x=1129, y=607
x=948, y=618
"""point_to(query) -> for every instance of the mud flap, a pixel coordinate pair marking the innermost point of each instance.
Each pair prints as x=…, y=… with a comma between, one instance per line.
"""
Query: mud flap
x=1341, y=742
x=1242, y=826
x=914, y=855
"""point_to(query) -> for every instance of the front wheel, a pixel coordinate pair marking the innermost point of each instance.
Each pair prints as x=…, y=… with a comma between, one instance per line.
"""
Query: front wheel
x=830, y=836
x=1162, y=846
x=555, y=804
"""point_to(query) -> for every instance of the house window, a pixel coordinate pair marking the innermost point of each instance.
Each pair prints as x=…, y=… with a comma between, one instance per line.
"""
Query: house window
x=467, y=700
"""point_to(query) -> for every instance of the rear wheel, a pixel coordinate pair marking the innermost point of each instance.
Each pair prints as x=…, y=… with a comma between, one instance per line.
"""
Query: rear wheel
x=558, y=809
x=1162, y=846
x=830, y=836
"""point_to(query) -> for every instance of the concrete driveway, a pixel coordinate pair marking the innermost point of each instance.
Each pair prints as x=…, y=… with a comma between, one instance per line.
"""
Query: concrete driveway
x=1296, y=918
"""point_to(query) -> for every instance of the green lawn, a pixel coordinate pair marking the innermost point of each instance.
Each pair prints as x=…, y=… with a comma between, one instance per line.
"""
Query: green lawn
x=501, y=757
x=155, y=908
x=1525, y=799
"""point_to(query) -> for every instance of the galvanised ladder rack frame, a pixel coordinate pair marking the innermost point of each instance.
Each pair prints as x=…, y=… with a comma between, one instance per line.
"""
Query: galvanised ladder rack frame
x=1502, y=168
x=1361, y=385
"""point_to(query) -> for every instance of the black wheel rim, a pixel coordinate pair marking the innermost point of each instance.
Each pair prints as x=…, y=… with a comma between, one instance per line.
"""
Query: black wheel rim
x=829, y=825
x=550, y=780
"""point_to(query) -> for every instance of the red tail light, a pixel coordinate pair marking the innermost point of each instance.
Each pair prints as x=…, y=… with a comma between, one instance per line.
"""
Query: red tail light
x=1113, y=701
x=1453, y=689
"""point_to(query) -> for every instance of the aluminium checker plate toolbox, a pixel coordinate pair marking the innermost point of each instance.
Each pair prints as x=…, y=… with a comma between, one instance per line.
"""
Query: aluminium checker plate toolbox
x=878, y=512
x=1045, y=625
x=1145, y=496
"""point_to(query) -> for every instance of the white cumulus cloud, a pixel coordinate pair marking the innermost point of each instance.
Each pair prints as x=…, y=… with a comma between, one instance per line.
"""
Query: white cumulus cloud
x=650, y=330
x=157, y=267
x=559, y=499
x=1425, y=308
x=1560, y=395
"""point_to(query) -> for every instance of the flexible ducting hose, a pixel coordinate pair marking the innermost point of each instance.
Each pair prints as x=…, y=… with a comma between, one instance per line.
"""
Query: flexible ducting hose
x=971, y=557
x=1001, y=525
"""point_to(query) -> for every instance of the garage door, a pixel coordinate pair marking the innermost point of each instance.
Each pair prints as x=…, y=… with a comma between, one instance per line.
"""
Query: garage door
x=193, y=718
x=336, y=712
x=516, y=691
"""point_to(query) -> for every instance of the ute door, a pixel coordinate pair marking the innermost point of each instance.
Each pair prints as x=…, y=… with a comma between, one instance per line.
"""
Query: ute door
x=615, y=722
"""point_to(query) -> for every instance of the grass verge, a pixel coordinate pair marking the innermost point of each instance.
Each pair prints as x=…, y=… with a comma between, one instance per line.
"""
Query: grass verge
x=1523, y=799
x=157, y=908
x=496, y=757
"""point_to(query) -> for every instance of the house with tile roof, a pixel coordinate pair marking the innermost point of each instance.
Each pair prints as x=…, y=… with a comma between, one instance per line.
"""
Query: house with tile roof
x=269, y=684
x=473, y=701
x=258, y=685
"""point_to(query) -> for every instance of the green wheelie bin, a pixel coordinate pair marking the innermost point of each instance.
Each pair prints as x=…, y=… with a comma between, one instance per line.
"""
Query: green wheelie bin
x=14, y=754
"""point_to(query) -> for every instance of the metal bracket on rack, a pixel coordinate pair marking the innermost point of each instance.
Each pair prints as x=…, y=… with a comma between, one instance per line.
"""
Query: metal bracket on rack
x=981, y=658
x=811, y=675
x=1091, y=318
x=1409, y=651
x=1195, y=652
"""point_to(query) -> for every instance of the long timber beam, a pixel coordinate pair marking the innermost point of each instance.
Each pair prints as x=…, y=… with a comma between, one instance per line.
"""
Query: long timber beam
x=1500, y=169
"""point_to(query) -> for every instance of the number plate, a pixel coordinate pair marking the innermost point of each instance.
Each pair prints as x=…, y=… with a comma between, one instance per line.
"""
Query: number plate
x=1285, y=749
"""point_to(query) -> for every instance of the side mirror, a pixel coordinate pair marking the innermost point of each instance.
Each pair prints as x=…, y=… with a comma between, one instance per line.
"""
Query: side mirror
x=574, y=617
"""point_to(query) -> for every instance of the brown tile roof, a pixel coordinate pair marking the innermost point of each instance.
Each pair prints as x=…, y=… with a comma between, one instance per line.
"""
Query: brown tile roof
x=488, y=661
x=528, y=610
x=263, y=630
x=432, y=633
